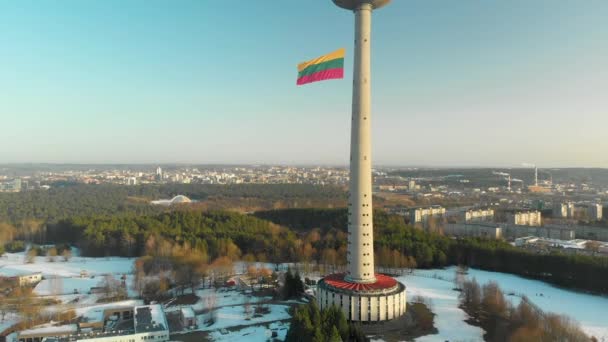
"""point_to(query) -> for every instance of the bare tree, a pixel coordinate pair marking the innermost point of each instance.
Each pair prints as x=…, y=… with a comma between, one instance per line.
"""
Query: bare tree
x=51, y=254
x=593, y=246
x=31, y=255
x=66, y=254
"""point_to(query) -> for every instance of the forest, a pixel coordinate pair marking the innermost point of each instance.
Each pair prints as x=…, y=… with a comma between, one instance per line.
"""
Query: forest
x=488, y=307
x=309, y=236
x=398, y=245
x=106, y=199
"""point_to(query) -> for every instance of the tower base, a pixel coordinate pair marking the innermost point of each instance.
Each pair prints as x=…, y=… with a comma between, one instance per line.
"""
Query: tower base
x=383, y=300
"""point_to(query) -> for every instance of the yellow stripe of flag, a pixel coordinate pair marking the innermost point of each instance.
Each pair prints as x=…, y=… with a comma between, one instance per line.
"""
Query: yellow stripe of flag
x=336, y=54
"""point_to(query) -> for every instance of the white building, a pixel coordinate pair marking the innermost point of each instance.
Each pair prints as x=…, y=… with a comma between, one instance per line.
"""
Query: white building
x=474, y=229
x=146, y=323
x=412, y=185
x=563, y=209
x=570, y=210
x=595, y=211
x=381, y=301
x=19, y=277
x=480, y=215
x=159, y=174
x=422, y=215
x=526, y=218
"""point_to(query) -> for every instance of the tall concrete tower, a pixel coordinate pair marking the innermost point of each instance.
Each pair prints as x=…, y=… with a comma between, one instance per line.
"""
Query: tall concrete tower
x=362, y=294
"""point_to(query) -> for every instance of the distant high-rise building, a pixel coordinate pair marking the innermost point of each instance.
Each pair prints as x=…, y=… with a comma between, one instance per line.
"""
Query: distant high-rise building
x=159, y=174
x=570, y=210
x=526, y=218
x=423, y=215
x=479, y=215
x=131, y=181
x=412, y=185
x=563, y=209
x=11, y=186
x=595, y=211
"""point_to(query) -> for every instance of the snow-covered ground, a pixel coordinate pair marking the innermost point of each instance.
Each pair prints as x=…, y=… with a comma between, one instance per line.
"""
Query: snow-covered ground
x=69, y=286
x=589, y=310
x=232, y=316
x=253, y=333
x=224, y=298
x=71, y=268
x=9, y=320
x=62, y=278
x=449, y=319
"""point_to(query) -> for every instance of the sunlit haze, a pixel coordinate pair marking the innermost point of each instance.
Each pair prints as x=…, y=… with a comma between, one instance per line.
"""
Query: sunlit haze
x=455, y=83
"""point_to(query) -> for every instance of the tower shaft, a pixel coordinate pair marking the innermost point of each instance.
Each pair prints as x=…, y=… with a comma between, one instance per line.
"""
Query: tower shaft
x=361, y=294
x=360, y=211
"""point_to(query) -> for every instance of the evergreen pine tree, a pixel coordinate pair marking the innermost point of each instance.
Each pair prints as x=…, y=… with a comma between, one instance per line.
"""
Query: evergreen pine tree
x=335, y=335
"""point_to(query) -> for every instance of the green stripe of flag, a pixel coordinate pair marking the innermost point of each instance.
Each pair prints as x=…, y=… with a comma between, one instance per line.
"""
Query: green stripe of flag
x=332, y=64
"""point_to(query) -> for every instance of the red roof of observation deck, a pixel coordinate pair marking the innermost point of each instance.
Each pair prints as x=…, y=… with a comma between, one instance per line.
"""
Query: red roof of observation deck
x=337, y=280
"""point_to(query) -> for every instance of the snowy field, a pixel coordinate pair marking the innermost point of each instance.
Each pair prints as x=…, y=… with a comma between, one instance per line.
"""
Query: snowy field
x=233, y=316
x=225, y=298
x=255, y=333
x=71, y=268
x=589, y=310
x=62, y=278
x=449, y=319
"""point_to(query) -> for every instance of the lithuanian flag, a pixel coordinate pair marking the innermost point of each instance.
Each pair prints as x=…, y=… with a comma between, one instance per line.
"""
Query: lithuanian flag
x=330, y=66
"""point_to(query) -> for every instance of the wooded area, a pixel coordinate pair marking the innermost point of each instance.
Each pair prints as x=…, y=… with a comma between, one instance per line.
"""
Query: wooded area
x=107, y=199
x=489, y=308
x=311, y=236
x=400, y=245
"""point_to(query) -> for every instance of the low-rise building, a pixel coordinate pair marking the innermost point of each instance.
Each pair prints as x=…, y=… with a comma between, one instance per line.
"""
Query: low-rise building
x=20, y=277
x=574, y=245
x=47, y=333
x=146, y=322
x=187, y=317
x=512, y=231
x=485, y=230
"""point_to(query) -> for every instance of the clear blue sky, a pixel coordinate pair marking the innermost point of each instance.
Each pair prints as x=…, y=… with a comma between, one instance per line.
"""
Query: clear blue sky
x=455, y=82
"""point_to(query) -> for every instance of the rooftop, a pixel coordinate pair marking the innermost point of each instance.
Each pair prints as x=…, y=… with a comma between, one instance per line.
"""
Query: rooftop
x=383, y=282
x=150, y=318
x=50, y=330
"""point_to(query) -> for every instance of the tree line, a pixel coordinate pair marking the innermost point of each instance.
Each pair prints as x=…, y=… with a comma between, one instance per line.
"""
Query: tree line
x=69, y=200
x=488, y=307
x=309, y=323
x=311, y=236
x=212, y=233
x=400, y=245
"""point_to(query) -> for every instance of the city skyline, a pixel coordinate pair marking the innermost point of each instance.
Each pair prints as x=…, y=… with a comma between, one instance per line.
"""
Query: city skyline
x=467, y=84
